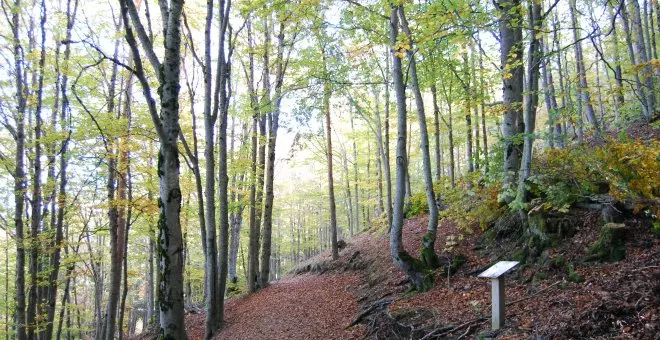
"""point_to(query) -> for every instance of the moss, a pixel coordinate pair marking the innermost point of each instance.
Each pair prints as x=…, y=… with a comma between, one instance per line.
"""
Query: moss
x=573, y=276
x=557, y=262
x=428, y=256
x=655, y=228
x=421, y=277
x=610, y=245
x=540, y=276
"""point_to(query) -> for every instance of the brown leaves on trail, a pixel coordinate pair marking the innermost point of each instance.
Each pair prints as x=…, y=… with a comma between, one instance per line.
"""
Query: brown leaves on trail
x=613, y=300
x=302, y=307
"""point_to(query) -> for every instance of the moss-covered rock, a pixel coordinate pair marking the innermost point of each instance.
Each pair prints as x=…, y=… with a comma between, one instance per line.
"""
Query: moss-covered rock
x=610, y=245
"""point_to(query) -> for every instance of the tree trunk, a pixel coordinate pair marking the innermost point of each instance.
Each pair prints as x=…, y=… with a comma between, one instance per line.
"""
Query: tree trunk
x=482, y=96
x=641, y=50
x=253, y=245
x=512, y=67
x=399, y=256
x=583, y=89
x=534, y=58
x=436, y=125
x=429, y=257
x=273, y=126
x=327, y=91
x=168, y=129
x=356, y=223
x=20, y=182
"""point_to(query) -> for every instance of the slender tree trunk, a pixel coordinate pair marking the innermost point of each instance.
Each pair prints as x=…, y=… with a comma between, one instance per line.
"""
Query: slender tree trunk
x=327, y=91
x=618, y=75
x=468, y=117
x=554, y=128
x=641, y=50
x=349, y=199
x=429, y=257
x=475, y=108
x=356, y=179
x=583, y=88
x=399, y=256
x=213, y=296
x=116, y=227
x=253, y=245
x=482, y=96
x=61, y=197
x=641, y=93
x=448, y=123
x=436, y=125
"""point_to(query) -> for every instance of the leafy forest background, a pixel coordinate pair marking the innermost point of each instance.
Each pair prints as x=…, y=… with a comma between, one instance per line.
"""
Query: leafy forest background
x=157, y=157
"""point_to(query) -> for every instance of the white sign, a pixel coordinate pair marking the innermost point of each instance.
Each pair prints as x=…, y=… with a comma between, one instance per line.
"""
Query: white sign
x=499, y=269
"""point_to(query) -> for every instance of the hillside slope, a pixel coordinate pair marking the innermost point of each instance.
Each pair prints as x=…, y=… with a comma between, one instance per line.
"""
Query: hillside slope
x=548, y=299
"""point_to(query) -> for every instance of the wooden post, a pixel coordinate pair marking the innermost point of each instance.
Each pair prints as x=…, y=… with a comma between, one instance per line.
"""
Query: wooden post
x=496, y=274
x=498, y=303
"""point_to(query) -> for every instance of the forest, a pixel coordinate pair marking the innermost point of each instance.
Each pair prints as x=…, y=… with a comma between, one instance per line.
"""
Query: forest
x=209, y=169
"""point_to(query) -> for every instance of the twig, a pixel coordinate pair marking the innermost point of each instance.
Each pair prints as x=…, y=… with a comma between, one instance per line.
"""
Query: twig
x=380, y=304
x=465, y=334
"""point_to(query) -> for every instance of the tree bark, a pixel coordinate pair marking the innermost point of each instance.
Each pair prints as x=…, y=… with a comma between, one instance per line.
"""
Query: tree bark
x=400, y=257
x=534, y=58
x=583, y=88
x=167, y=127
x=327, y=91
x=429, y=257
x=273, y=126
x=511, y=46
x=20, y=182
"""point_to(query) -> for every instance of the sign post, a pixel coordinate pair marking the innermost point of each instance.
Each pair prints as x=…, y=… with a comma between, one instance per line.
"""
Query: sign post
x=496, y=274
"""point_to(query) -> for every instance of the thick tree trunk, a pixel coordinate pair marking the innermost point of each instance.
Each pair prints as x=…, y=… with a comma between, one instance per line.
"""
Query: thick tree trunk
x=273, y=126
x=213, y=296
x=255, y=228
x=512, y=67
x=20, y=182
x=166, y=123
x=221, y=110
x=534, y=58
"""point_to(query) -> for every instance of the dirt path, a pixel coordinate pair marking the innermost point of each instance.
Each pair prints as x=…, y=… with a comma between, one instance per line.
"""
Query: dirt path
x=301, y=307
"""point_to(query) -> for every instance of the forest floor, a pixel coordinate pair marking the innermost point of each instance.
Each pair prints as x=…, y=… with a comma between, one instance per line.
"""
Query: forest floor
x=325, y=297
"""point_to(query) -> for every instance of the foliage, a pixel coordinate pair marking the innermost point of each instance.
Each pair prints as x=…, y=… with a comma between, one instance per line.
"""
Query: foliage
x=472, y=202
x=625, y=170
